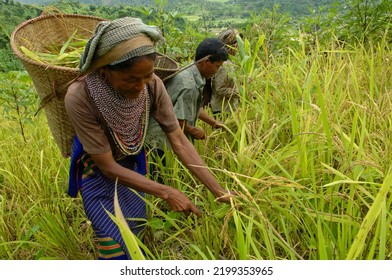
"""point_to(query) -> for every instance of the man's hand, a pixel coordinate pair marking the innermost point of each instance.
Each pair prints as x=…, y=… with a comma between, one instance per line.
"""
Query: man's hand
x=198, y=133
x=195, y=132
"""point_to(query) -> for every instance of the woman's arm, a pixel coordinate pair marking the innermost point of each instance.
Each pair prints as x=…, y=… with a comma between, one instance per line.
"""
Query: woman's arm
x=187, y=153
x=177, y=200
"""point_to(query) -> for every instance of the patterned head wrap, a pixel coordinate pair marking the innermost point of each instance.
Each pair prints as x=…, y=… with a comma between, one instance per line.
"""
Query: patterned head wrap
x=116, y=41
x=229, y=37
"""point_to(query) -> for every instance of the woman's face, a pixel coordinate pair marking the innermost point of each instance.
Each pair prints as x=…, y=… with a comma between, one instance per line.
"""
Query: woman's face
x=130, y=82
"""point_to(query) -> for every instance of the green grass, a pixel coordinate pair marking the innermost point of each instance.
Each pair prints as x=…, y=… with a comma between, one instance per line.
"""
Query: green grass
x=309, y=153
x=38, y=219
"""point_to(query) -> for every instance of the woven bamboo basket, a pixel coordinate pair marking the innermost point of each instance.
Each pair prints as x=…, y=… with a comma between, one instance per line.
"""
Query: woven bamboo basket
x=50, y=81
x=165, y=66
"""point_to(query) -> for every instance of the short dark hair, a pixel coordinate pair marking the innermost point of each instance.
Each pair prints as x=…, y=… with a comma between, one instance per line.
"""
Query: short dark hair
x=212, y=47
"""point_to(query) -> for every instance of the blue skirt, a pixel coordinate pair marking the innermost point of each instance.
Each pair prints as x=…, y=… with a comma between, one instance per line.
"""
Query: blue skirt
x=98, y=195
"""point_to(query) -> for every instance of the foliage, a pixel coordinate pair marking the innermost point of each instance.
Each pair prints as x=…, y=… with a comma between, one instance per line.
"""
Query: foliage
x=275, y=27
x=165, y=20
x=17, y=98
x=213, y=8
x=9, y=61
x=351, y=21
x=11, y=14
x=366, y=21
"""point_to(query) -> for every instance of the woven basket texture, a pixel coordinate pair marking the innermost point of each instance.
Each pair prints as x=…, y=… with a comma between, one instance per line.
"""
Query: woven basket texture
x=165, y=66
x=49, y=81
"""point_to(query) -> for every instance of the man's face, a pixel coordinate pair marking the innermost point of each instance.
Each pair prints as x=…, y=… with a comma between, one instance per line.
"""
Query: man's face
x=208, y=69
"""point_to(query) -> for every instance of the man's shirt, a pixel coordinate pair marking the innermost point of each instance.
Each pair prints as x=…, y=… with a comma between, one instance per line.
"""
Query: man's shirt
x=185, y=91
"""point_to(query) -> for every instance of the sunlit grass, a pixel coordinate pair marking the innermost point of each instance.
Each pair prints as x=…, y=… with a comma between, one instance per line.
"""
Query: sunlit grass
x=309, y=153
x=38, y=220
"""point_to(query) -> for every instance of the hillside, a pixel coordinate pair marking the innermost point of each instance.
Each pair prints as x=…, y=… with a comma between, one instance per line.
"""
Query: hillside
x=212, y=7
x=210, y=16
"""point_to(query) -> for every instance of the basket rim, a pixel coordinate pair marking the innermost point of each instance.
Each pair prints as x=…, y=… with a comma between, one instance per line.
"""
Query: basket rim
x=23, y=57
x=171, y=59
x=45, y=66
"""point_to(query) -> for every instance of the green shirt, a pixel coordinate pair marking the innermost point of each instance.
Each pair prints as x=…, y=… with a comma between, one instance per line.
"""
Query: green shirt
x=185, y=91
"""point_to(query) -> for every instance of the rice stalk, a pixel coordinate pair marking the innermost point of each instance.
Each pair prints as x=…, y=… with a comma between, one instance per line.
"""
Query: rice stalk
x=370, y=218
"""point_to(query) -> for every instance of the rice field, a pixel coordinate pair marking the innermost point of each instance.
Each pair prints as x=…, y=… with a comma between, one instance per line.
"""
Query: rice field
x=309, y=153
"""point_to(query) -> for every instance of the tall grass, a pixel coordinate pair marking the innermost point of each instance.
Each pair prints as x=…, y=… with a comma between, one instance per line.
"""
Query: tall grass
x=38, y=219
x=309, y=153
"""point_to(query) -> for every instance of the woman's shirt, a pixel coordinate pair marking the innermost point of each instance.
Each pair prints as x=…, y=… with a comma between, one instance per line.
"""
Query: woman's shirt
x=90, y=126
x=224, y=93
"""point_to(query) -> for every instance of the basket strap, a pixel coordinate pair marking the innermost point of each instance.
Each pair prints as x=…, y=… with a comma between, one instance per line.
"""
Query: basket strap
x=178, y=71
x=185, y=67
x=48, y=98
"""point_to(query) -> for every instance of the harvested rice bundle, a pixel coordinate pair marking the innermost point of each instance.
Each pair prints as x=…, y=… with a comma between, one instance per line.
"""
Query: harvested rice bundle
x=66, y=55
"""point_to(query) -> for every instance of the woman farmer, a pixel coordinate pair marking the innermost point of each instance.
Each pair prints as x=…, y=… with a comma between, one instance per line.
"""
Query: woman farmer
x=225, y=96
x=109, y=107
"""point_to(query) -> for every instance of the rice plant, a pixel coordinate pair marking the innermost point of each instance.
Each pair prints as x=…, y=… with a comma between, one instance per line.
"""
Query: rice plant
x=309, y=153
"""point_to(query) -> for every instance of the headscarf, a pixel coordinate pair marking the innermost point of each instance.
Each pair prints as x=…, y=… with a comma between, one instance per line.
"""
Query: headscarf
x=229, y=37
x=118, y=40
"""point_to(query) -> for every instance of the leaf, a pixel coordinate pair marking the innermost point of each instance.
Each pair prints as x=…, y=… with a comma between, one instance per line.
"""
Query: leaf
x=30, y=54
x=156, y=223
x=65, y=46
x=130, y=239
x=370, y=218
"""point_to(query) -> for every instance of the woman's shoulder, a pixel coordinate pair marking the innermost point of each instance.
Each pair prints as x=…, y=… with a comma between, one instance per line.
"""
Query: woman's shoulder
x=156, y=86
x=156, y=82
x=76, y=88
x=76, y=93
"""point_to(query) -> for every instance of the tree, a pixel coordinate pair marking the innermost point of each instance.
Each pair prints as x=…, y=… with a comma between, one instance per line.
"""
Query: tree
x=365, y=20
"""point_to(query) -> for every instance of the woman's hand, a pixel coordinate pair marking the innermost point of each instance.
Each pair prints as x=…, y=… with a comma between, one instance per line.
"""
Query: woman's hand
x=218, y=124
x=179, y=202
x=225, y=196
